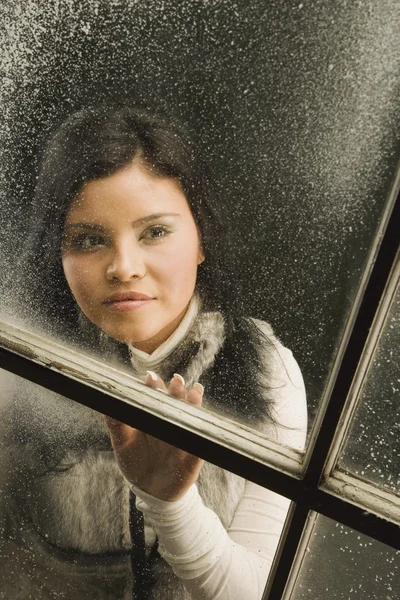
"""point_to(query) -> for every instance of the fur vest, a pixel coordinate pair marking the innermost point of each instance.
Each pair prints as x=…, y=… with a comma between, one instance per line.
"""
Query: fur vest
x=64, y=505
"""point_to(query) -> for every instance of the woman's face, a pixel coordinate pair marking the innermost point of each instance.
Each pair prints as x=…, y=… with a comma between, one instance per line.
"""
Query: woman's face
x=130, y=255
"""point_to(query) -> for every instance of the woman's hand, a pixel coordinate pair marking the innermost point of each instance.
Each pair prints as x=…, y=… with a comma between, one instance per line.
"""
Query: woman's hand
x=156, y=467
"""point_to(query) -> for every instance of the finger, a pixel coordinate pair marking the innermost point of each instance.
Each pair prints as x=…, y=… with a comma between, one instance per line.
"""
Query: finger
x=154, y=381
x=177, y=387
x=195, y=394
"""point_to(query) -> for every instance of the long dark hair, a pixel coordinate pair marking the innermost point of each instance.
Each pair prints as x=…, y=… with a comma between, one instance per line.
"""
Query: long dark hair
x=94, y=143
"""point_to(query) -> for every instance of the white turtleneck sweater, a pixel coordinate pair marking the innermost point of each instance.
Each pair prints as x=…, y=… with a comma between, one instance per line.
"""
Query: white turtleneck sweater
x=215, y=563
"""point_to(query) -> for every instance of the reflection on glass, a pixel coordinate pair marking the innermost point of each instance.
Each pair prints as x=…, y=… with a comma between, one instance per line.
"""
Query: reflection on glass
x=372, y=448
x=72, y=528
x=340, y=564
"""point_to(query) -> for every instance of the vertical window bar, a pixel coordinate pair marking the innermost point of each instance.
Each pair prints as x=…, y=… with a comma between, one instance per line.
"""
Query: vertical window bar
x=297, y=519
x=286, y=553
x=376, y=286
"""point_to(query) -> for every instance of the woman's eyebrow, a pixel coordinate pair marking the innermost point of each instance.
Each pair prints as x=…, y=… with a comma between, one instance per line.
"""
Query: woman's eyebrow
x=136, y=223
x=84, y=225
x=153, y=217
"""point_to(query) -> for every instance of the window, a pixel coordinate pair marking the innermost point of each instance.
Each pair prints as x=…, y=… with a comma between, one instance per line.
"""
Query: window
x=342, y=563
x=349, y=505
x=295, y=107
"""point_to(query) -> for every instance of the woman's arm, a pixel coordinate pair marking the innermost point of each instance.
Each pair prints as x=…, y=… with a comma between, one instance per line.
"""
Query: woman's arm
x=212, y=562
x=234, y=564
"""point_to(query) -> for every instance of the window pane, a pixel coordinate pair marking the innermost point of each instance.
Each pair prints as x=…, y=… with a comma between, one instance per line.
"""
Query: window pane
x=341, y=563
x=372, y=448
x=69, y=528
x=293, y=106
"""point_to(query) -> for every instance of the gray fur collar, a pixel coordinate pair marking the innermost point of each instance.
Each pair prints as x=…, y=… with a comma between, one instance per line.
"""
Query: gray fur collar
x=195, y=353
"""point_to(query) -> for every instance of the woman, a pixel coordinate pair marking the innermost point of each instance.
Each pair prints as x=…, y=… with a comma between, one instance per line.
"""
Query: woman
x=127, y=257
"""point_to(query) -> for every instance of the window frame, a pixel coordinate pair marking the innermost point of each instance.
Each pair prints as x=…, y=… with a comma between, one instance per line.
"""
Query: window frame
x=309, y=490
x=363, y=491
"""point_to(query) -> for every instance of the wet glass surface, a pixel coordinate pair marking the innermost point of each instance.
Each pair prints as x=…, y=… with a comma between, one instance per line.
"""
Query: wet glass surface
x=294, y=107
x=68, y=523
x=340, y=564
x=372, y=449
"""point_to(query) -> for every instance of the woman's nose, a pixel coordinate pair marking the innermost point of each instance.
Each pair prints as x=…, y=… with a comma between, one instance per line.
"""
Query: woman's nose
x=125, y=264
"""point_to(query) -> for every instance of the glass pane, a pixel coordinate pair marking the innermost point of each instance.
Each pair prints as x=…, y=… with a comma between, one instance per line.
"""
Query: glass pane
x=69, y=527
x=372, y=448
x=340, y=564
x=299, y=130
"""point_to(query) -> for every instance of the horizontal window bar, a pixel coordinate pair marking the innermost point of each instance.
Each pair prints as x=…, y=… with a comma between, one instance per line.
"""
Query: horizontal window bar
x=364, y=494
x=342, y=509
x=218, y=451
x=119, y=384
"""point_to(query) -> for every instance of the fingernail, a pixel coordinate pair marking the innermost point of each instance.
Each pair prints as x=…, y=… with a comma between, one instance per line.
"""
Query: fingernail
x=180, y=378
x=198, y=386
x=152, y=375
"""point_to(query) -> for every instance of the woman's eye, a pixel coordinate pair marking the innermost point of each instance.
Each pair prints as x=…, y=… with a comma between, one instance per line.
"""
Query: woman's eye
x=155, y=232
x=87, y=242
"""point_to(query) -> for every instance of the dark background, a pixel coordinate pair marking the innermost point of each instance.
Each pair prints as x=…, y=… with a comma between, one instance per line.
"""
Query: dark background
x=295, y=104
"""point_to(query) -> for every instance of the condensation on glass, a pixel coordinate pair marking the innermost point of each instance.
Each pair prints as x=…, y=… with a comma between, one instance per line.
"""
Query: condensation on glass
x=341, y=564
x=372, y=448
x=294, y=106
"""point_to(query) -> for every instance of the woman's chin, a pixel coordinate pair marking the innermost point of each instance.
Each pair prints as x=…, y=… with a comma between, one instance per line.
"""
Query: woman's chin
x=137, y=339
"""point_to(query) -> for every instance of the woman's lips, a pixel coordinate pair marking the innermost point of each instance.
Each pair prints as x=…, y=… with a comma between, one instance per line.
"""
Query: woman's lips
x=127, y=305
x=127, y=301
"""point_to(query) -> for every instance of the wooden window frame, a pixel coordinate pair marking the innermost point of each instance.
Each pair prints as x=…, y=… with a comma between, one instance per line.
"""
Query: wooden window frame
x=311, y=482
